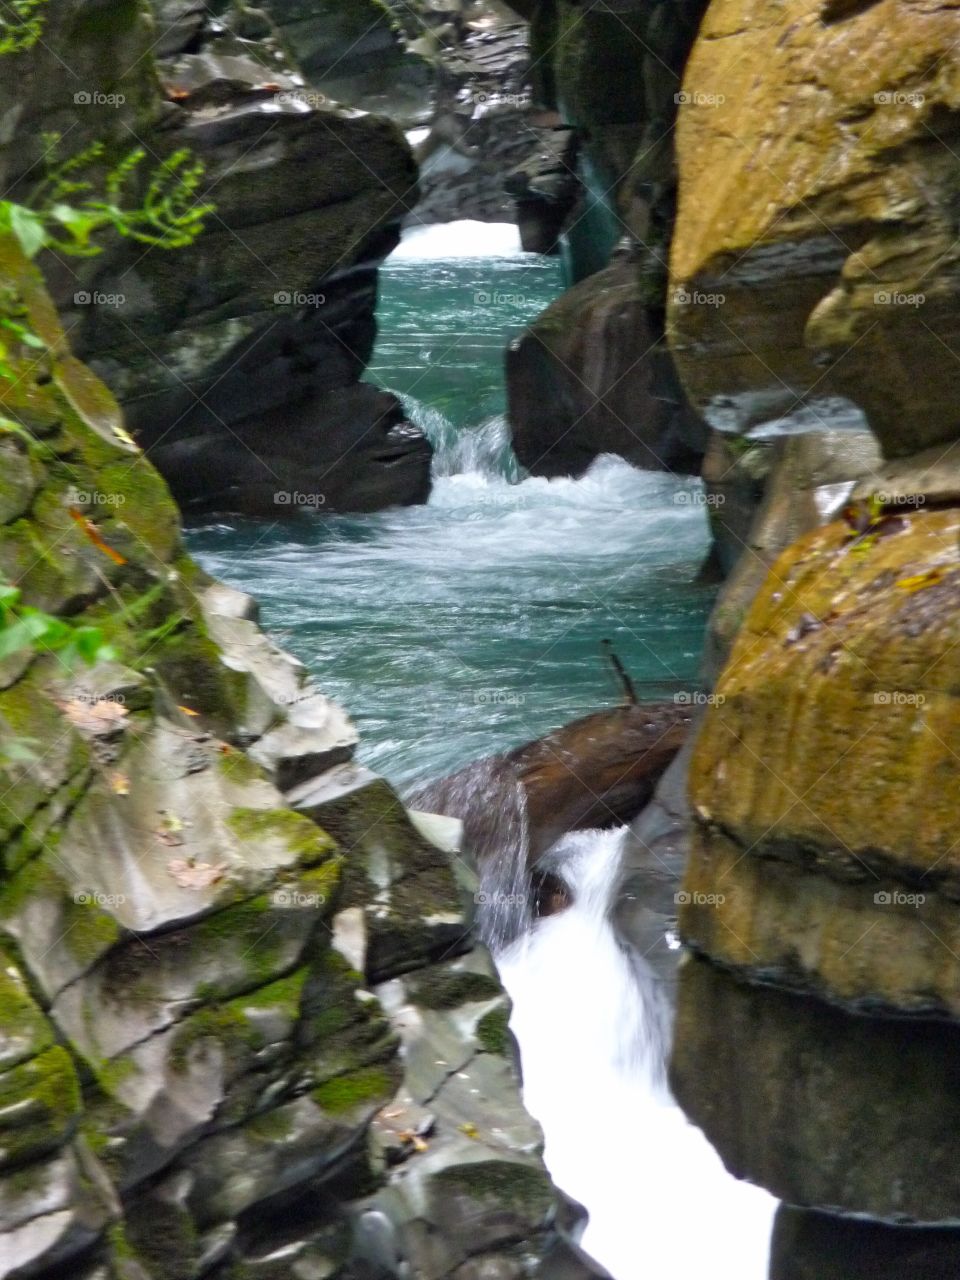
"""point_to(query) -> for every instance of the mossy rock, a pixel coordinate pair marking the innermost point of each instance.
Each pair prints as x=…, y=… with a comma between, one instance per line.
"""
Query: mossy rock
x=345, y=1093
x=438, y=988
x=40, y=1103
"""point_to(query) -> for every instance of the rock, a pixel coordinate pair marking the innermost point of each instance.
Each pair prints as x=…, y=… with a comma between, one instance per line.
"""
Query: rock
x=413, y=909
x=545, y=188
x=188, y=1065
x=866, y=1100
x=586, y=378
x=259, y=331
x=821, y=283
x=806, y=481
x=818, y=1246
x=821, y=906
x=594, y=772
x=352, y=52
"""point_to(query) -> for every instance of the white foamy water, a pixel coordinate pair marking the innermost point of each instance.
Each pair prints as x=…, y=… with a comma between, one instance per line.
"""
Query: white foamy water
x=593, y=1035
x=464, y=239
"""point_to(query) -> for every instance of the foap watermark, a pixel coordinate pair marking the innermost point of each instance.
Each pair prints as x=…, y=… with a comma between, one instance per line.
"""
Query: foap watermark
x=482, y=898
x=297, y=298
x=96, y=899
x=300, y=98
x=900, y=499
x=898, y=698
x=86, y=298
x=294, y=899
x=686, y=898
x=698, y=498
x=697, y=298
x=897, y=298
x=294, y=498
x=496, y=298
x=694, y=98
x=695, y=698
x=94, y=98
x=100, y=699
x=496, y=98
x=498, y=698
x=895, y=898
x=899, y=98
x=93, y=498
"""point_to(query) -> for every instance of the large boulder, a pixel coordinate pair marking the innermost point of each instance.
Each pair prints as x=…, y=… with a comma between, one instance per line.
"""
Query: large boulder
x=589, y=376
x=814, y=261
x=823, y=862
x=238, y=357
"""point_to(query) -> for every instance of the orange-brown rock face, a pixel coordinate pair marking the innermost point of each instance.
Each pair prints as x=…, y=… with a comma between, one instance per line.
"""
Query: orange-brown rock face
x=815, y=254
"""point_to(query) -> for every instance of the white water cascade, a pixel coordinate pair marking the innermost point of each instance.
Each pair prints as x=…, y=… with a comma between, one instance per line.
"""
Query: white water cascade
x=593, y=1033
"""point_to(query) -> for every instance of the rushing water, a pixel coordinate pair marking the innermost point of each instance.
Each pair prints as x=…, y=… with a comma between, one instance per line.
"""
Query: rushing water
x=457, y=629
x=474, y=623
x=593, y=1032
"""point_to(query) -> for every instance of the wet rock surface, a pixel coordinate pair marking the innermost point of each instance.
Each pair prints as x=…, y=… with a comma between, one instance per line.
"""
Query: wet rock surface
x=192, y=1051
x=588, y=377
x=238, y=357
x=829, y=261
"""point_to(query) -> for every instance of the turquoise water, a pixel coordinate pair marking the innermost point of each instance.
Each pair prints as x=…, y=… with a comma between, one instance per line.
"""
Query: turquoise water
x=473, y=623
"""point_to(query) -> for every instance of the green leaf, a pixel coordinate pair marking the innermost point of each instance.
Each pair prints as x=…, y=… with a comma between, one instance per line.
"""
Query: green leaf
x=21, y=634
x=28, y=227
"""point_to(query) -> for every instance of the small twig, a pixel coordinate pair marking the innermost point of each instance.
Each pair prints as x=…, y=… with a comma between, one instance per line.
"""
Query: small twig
x=629, y=692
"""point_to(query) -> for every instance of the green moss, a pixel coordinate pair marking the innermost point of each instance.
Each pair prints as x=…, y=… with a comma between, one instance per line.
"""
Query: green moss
x=302, y=837
x=48, y=1086
x=226, y=1023
x=502, y=1181
x=271, y=1126
x=20, y=1013
x=447, y=988
x=89, y=932
x=493, y=1031
x=283, y=994
x=237, y=767
x=110, y=1073
x=344, y=1092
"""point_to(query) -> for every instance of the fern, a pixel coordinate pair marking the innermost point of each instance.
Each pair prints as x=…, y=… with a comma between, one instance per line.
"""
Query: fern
x=21, y=24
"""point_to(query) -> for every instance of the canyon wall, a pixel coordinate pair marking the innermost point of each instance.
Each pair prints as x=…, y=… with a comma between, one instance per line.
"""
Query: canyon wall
x=817, y=1017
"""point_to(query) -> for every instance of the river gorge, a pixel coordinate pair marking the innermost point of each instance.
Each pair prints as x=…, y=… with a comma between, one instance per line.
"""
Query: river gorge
x=479, y=541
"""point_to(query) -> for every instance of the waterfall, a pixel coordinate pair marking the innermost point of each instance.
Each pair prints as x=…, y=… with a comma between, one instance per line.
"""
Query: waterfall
x=593, y=1026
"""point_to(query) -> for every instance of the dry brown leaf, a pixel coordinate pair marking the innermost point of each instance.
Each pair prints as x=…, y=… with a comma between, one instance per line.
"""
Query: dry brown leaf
x=97, y=716
x=196, y=875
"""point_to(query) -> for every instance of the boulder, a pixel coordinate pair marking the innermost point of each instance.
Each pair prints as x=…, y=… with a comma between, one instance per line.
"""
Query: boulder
x=813, y=264
x=821, y=900
x=588, y=377
x=238, y=357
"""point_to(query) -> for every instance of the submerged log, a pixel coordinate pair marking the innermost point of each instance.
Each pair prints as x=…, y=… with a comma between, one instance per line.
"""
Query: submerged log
x=599, y=771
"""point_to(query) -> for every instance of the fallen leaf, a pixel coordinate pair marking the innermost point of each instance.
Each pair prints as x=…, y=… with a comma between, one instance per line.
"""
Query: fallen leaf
x=100, y=716
x=119, y=784
x=917, y=581
x=470, y=1130
x=196, y=875
x=187, y=711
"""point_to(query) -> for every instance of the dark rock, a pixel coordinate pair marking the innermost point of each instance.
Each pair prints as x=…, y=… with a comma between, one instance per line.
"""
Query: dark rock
x=824, y=1107
x=590, y=377
x=545, y=188
x=237, y=357
x=820, y=1246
